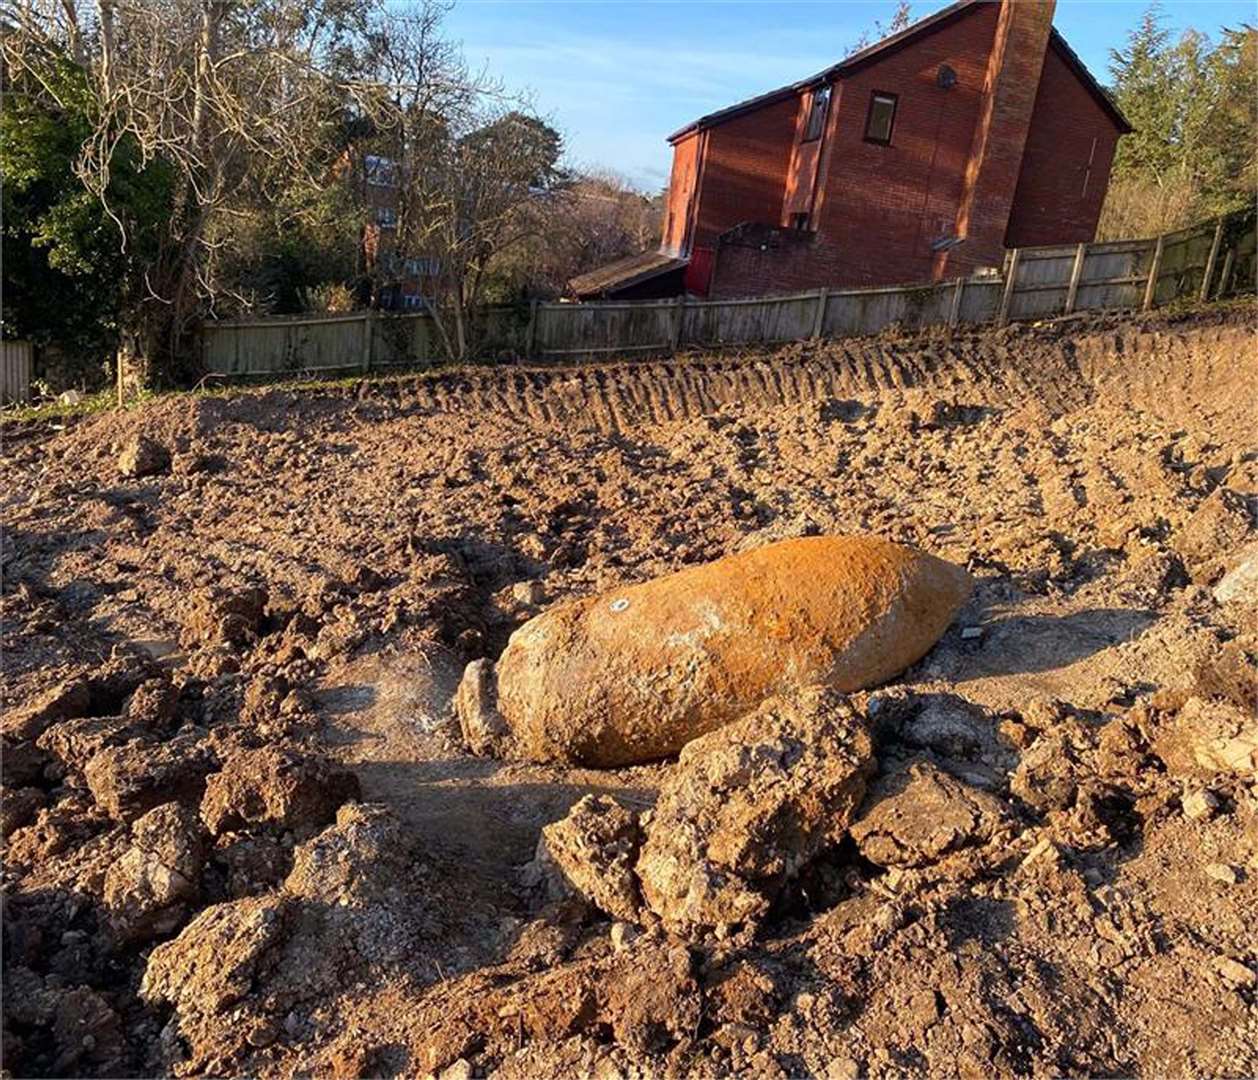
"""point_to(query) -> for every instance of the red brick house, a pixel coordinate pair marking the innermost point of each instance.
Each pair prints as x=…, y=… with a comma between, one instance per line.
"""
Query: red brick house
x=921, y=157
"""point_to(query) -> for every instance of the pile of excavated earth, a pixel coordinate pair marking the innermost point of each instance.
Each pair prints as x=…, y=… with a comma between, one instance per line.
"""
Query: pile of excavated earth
x=870, y=708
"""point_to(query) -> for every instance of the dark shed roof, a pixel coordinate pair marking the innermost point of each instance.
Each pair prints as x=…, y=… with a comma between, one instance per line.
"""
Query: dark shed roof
x=631, y=270
x=887, y=45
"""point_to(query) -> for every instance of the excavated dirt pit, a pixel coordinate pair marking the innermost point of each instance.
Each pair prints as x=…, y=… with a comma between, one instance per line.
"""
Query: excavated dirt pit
x=243, y=838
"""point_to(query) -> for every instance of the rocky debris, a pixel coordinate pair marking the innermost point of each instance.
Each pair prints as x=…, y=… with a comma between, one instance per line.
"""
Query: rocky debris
x=1086, y=960
x=69, y=1030
x=1235, y=974
x=948, y=725
x=652, y=1000
x=748, y=806
x=21, y=763
x=591, y=853
x=251, y=864
x=277, y=790
x=57, y=829
x=1151, y=575
x=102, y=693
x=153, y=704
x=1240, y=584
x=75, y=742
x=484, y=729
x=1223, y=523
x=264, y=699
x=918, y=814
x=1047, y=776
x=18, y=807
x=1231, y=674
x=529, y=593
x=622, y=935
x=65, y=701
x=215, y=960
x=358, y=860
x=1223, y=873
x=130, y=779
x=149, y=890
x=632, y=675
x=242, y=974
x=227, y=617
x=143, y=456
x=1205, y=738
x=1200, y=804
x=741, y=993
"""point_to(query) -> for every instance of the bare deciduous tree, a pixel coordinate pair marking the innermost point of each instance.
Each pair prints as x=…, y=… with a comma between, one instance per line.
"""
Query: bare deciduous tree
x=242, y=99
x=473, y=168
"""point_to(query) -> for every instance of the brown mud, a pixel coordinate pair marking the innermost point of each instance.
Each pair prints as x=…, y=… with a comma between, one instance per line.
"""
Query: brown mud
x=1053, y=871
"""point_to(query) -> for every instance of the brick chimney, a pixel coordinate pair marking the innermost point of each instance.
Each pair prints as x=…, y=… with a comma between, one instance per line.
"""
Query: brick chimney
x=1009, y=89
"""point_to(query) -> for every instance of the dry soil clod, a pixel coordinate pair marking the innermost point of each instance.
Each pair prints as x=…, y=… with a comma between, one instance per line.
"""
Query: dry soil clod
x=749, y=806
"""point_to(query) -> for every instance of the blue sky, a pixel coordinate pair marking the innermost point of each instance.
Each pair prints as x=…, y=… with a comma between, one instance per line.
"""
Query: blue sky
x=617, y=77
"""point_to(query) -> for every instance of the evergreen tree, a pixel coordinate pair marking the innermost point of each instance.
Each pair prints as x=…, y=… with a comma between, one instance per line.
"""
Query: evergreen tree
x=1194, y=107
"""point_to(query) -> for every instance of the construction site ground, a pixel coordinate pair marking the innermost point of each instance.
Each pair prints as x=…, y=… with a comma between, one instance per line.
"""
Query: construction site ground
x=250, y=649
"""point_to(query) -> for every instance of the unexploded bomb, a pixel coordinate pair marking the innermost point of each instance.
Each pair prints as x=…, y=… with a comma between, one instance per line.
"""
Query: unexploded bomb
x=634, y=674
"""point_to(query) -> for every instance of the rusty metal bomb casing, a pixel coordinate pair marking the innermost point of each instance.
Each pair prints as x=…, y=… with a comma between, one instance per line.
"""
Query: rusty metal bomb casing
x=634, y=674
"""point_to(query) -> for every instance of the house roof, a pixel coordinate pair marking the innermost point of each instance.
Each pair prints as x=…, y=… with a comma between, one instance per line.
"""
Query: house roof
x=878, y=51
x=631, y=270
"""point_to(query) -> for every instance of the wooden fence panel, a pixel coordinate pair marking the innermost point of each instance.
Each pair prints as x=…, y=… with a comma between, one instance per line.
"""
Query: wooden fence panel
x=1036, y=283
x=17, y=359
x=403, y=341
x=589, y=329
x=1184, y=256
x=503, y=332
x=271, y=347
x=1114, y=275
x=1243, y=275
x=749, y=322
x=980, y=301
x=852, y=312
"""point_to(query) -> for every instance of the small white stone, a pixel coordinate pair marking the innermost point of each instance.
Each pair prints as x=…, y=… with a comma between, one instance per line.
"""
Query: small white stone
x=969, y=633
x=460, y=1070
x=1224, y=873
x=528, y=592
x=1199, y=804
x=622, y=933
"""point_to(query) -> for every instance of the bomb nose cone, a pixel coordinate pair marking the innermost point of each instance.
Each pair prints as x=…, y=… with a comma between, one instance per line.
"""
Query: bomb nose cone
x=634, y=674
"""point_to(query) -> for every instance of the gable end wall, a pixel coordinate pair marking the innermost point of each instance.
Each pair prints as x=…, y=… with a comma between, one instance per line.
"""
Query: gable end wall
x=1059, y=194
x=744, y=170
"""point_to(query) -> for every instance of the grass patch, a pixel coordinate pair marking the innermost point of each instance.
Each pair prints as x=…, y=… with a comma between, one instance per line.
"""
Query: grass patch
x=54, y=410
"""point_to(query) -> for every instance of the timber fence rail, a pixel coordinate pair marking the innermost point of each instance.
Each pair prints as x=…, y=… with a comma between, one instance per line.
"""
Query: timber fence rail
x=1208, y=261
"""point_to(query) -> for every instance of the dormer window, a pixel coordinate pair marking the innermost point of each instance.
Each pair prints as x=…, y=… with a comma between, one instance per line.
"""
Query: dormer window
x=817, y=114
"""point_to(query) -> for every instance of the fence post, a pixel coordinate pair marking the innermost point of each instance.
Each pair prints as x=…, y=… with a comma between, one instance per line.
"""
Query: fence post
x=369, y=338
x=679, y=315
x=1011, y=279
x=530, y=335
x=1225, y=278
x=1076, y=272
x=954, y=312
x=1214, y=254
x=1155, y=268
x=819, y=319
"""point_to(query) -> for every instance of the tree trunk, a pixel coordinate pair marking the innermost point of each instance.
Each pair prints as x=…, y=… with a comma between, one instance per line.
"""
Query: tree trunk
x=107, y=49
